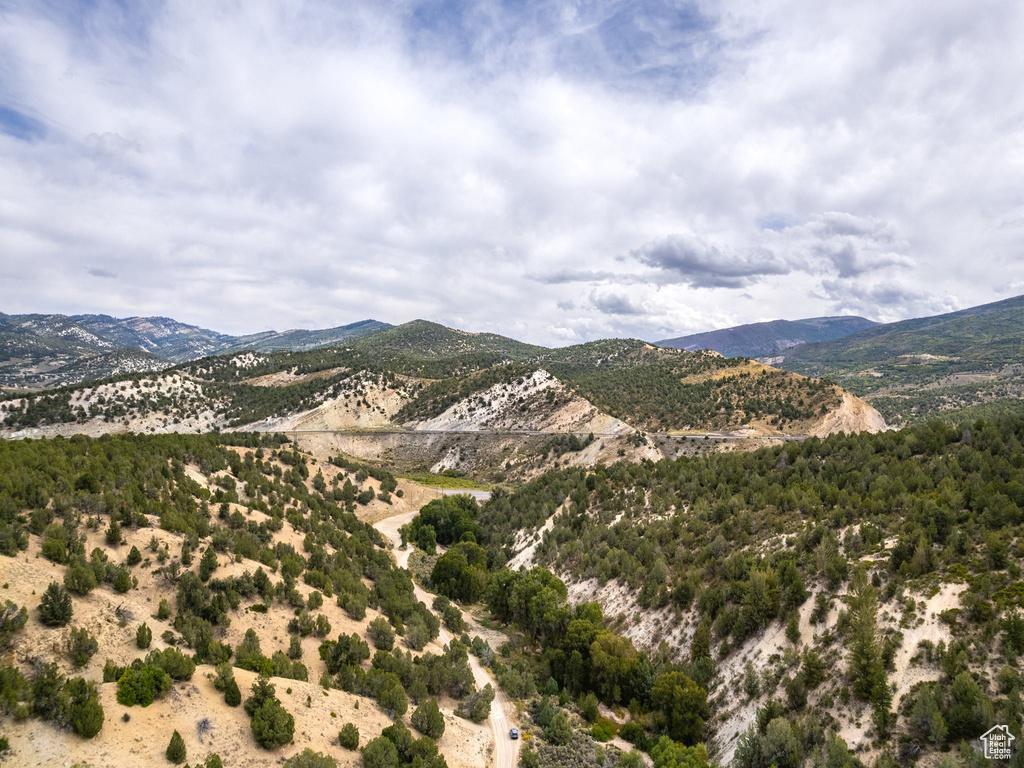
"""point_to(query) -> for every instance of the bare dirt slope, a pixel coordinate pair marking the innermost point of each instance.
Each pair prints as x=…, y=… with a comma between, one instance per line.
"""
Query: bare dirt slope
x=852, y=415
x=366, y=404
x=538, y=402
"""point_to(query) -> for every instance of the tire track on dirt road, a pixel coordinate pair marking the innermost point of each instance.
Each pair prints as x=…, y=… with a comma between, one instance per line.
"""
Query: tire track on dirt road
x=502, y=717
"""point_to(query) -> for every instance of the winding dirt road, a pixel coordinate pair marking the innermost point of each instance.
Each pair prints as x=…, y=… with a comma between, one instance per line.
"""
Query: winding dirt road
x=506, y=751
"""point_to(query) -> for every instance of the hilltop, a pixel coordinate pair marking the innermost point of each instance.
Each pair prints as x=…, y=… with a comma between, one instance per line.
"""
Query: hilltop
x=768, y=339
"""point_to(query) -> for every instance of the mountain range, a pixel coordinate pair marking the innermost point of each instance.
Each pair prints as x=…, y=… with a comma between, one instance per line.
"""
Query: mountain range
x=762, y=340
x=910, y=370
x=47, y=350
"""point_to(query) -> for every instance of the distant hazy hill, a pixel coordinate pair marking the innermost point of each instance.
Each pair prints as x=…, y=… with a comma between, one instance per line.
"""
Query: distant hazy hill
x=298, y=339
x=770, y=338
x=53, y=350
x=916, y=368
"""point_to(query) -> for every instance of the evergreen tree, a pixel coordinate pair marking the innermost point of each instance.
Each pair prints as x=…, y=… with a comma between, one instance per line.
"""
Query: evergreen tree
x=865, y=668
x=176, y=749
x=428, y=720
x=232, y=695
x=55, y=606
x=85, y=714
x=559, y=732
x=348, y=737
x=207, y=564
x=143, y=636
x=683, y=705
x=926, y=722
x=970, y=712
x=114, y=534
x=779, y=745
x=81, y=646
x=380, y=753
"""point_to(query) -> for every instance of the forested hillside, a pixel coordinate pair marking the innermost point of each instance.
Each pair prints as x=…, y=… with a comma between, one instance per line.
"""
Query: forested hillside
x=916, y=369
x=781, y=607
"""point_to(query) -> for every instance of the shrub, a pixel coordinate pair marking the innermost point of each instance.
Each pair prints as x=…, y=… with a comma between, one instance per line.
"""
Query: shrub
x=55, y=606
x=80, y=578
x=381, y=634
x=348, y=737
x=143, y=636
x=307, y=758
x=603, y=730
x=633, y=732
x=226, y=683
x=272, y=726
x=392, y=699
x=142, y=685
x=173, y=662
x=176, y=749
x=380, y=753
x=12, y=618
x=123, y=581
x=81, y=646
x=477, y=706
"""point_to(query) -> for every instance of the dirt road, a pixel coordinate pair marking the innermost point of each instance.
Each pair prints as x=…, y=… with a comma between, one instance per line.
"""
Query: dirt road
x=506, y=751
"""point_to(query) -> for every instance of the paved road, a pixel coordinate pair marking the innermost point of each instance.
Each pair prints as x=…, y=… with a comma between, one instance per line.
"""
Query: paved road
x=506, y=751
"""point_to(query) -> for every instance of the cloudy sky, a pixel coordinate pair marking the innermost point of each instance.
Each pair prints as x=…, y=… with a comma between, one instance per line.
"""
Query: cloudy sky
x=554, y=171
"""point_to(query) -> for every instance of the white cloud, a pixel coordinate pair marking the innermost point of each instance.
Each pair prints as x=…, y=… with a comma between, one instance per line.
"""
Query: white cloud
x=308, y=164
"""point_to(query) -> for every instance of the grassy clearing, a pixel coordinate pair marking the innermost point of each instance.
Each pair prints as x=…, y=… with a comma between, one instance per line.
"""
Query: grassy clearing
x=447, y=481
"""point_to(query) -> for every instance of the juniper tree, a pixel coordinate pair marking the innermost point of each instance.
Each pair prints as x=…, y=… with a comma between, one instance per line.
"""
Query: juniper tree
x=55, y=606
x=176, y=749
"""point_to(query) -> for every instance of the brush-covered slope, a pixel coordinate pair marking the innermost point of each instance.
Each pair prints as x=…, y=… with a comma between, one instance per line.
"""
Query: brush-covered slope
x=195, y=565
x=918, y=368
x=768, y=339
x=665, y=390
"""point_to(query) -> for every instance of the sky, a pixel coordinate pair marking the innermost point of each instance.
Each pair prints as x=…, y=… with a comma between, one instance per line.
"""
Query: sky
x=552, y=171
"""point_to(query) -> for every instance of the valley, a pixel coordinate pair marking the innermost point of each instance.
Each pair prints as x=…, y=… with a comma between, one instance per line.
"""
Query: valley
x=633, y=555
